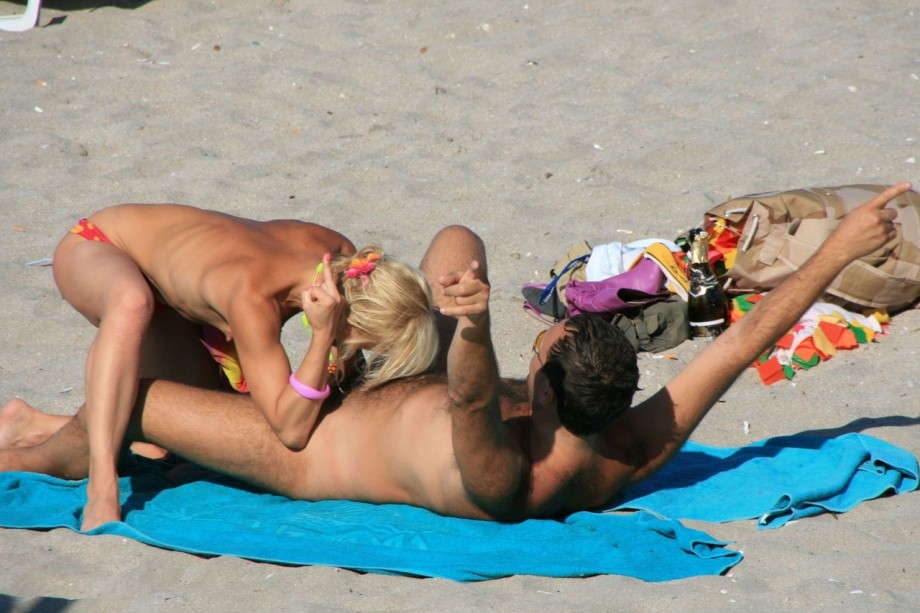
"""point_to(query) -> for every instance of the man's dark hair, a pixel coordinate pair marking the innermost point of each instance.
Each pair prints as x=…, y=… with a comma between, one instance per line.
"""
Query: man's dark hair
x=594, y=373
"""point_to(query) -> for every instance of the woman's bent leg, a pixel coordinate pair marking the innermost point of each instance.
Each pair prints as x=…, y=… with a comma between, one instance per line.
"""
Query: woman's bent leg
x=103, y=283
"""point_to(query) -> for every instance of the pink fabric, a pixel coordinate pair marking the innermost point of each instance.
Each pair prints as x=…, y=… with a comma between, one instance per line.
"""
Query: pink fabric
x=637, y=286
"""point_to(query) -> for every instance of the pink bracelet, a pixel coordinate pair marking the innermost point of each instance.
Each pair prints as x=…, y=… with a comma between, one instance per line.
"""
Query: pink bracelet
x=308, y=392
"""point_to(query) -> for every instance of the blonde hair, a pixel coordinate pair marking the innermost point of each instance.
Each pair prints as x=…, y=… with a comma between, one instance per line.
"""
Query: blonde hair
x=391, y=308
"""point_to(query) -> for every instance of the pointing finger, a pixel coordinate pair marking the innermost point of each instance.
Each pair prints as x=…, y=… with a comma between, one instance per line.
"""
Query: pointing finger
x=328, y=281
x=888, y=195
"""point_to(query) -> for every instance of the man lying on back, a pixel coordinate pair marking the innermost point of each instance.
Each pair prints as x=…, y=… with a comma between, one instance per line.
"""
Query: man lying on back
x=471, y=444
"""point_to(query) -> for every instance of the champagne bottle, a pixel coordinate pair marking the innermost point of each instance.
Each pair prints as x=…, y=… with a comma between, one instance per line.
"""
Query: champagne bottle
x=706, y=304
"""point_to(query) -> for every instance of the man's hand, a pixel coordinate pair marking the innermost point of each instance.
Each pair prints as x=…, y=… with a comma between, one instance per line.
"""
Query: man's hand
x=869, y=227
x=470, y=293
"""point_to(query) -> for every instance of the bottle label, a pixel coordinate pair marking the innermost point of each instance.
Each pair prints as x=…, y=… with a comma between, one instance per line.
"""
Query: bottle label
x=713, y=322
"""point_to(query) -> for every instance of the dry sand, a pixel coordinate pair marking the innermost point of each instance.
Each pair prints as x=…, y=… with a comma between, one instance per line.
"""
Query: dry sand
x=537, y=124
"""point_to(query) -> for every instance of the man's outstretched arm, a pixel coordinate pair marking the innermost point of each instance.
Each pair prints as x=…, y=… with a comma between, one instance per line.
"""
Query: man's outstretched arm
x=661, y=424
x=491, y=464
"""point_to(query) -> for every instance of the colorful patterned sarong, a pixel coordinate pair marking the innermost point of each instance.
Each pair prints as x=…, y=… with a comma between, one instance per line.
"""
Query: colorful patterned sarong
x=224, y=353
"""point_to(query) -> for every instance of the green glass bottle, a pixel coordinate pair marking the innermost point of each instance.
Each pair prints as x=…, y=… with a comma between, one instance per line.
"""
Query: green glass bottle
x=706, y=304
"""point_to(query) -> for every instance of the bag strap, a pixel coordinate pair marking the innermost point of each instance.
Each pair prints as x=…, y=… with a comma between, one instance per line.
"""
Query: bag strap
x=541, y=317
x=550, y=288
x=773, y=244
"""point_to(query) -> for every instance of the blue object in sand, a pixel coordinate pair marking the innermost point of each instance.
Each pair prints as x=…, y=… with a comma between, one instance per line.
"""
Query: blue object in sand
x=775, y=480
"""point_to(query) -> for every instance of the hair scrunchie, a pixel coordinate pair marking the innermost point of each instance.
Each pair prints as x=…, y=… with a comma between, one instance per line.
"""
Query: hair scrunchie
x=362, y=267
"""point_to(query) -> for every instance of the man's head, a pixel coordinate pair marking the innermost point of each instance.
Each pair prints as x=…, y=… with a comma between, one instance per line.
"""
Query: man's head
x=592, y=370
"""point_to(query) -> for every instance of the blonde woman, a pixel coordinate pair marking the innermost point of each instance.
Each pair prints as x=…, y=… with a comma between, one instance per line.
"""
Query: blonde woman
x=173, y=288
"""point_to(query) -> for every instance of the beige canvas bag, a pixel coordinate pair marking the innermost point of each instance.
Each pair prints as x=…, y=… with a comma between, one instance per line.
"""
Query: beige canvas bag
x=781, y=230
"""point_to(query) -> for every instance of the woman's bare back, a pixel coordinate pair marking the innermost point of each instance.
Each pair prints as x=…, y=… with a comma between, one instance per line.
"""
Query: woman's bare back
x=199, y=261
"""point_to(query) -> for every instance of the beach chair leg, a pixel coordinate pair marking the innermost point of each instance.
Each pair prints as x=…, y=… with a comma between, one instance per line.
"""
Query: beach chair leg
x=23, y=22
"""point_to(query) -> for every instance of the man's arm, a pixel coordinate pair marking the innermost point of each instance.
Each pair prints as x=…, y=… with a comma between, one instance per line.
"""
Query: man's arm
x=490, y=462
x=661, y=424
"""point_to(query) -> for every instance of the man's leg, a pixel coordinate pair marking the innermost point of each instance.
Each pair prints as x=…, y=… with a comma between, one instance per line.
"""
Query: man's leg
x=171, y=350
x=22, y=425
x=453, y=248
x=64, y=454
x=221, y=431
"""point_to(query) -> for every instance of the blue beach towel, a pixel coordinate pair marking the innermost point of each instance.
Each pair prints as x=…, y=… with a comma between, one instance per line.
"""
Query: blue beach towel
x=218, y=516
x=774, y=480
x=777, y=480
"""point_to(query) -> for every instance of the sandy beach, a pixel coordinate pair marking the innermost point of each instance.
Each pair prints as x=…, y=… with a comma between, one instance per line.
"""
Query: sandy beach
x=535, y=123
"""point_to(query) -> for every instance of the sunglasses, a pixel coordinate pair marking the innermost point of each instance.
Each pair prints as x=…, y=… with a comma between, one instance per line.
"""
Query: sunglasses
x=537, y=343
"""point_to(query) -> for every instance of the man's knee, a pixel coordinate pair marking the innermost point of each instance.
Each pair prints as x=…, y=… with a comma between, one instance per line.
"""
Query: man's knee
x=457, y=234
x=452, y=248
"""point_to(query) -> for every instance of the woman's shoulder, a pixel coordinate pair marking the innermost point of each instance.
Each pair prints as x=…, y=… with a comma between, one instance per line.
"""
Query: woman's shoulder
x=309, y=234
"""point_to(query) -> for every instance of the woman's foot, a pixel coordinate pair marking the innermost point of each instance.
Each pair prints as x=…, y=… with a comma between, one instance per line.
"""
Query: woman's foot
x=102, y=504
